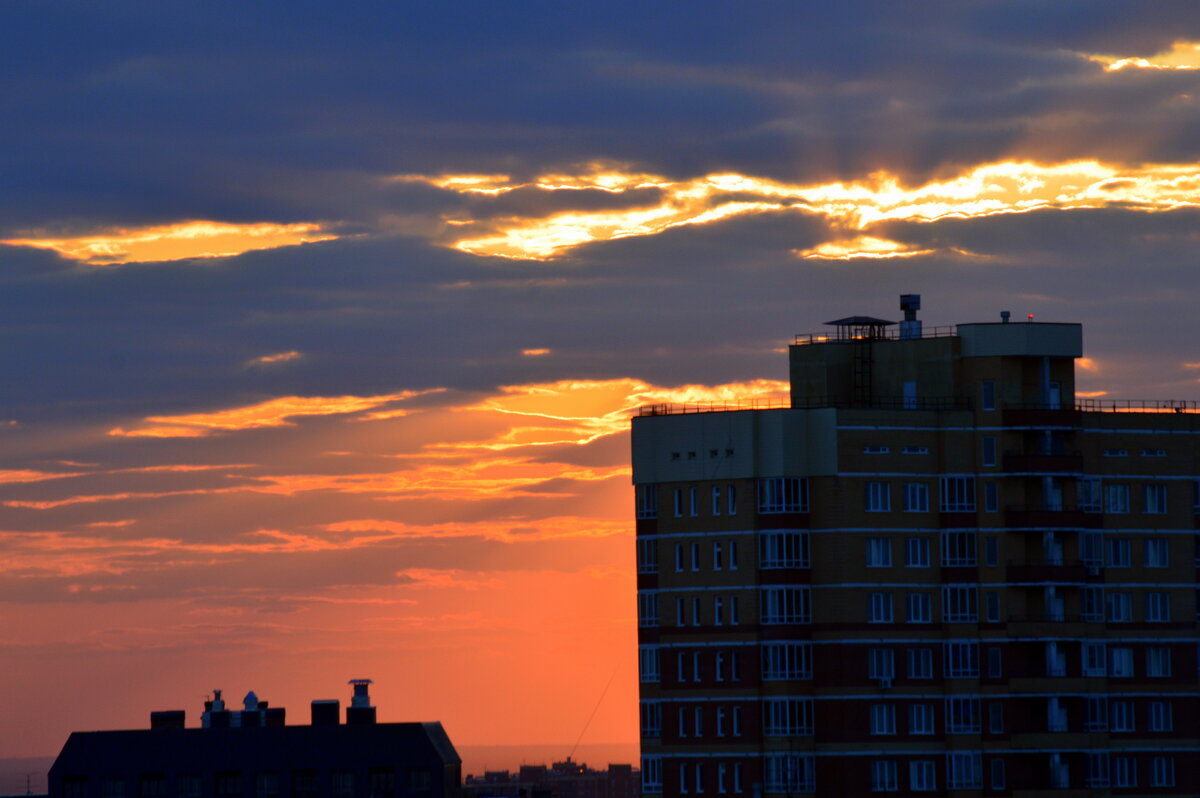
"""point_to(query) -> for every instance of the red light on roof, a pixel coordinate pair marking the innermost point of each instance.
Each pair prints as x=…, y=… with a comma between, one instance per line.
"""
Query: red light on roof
x=1030, y=317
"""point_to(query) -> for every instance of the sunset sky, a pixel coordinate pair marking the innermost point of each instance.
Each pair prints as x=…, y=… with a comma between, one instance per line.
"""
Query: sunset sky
x=322, y=323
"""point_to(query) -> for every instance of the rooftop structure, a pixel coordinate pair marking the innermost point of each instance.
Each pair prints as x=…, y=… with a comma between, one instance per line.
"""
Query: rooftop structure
x=250, y=752
x=935, y=570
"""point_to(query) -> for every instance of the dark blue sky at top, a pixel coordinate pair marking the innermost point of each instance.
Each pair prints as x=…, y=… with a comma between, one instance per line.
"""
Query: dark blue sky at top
x=150, y=113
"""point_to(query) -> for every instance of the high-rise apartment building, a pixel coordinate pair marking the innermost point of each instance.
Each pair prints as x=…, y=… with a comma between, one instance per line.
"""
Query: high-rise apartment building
x=936, y=571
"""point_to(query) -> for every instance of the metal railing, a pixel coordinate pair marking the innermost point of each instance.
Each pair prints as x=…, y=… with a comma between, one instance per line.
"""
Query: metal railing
x=877, y=403
x=878, y=334
x=1138, y=405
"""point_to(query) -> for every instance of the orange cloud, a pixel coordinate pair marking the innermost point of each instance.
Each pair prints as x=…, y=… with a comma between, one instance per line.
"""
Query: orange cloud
x=281, y=357
x=861, y=247
x=194, y=239
x=535, y=352
x=999, y=188
x=1181, y=55
x=272, y=413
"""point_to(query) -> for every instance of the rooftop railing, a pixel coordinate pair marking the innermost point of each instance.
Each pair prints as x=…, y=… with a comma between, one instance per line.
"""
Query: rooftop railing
x=1138, y=405
x=878, y=334
x=883, y=403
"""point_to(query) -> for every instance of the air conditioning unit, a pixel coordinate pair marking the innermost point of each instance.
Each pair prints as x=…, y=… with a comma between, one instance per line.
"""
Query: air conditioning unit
x=885, y=683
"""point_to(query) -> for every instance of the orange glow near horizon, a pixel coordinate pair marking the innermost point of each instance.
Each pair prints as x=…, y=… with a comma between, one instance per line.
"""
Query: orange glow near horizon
x=192, y=239
x=1182, y=55
x=999, y=188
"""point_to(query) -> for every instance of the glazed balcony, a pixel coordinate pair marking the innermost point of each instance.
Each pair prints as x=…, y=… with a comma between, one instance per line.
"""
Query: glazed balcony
x=1042, y=572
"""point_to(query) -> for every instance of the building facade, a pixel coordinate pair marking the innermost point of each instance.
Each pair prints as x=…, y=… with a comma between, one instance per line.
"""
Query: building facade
x=936, y=571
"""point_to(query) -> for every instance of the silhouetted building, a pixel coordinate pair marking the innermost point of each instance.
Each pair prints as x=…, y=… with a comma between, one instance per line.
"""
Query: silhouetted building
x=937, y=570
x=250, y=752
x=564, y=780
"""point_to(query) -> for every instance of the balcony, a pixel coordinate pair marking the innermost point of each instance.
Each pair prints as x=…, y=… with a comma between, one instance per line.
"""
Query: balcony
x=1043, y=463
x=1041, y=571
x=1041, y=516
x=1040, y=415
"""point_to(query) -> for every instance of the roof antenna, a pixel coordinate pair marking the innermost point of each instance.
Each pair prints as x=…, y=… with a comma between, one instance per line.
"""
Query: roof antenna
x=603, y=693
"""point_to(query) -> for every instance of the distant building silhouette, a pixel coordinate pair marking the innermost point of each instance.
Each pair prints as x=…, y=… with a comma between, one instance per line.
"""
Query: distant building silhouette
x=250, y=752
x=563, y=780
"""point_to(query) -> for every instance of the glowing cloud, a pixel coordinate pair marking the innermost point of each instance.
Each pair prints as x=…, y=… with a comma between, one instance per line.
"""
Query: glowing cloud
x=272, y=413
x=535, y=352
x=999, y=188
x=1182, y=55
x=280, y=357
x=861, y=247
x=195, y=239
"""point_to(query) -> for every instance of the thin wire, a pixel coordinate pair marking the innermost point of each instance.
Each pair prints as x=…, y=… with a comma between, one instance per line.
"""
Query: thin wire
x=603, y=693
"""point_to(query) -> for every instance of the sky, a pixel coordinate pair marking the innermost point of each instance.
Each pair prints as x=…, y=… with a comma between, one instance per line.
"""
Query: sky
x=322, y=323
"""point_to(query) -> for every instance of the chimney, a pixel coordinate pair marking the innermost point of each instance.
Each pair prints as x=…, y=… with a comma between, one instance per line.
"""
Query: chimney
x=910, y=327
x=360, y=712
x=325, y=711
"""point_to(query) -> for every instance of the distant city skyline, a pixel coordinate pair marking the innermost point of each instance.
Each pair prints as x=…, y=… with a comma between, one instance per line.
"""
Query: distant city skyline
x=322, y=329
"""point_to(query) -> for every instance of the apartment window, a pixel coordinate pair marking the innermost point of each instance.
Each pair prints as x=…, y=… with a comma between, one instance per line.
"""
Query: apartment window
x=720, y=715
x=789, y=772
x=1091, y=547
x=737, y=776
x=958, y=549
x=987, y=395
x=1096, y=717
x=1121, y=716
x=786, y=661
x=782, y=605
x=991, y=551
x=1097, y=769
x=879, y=608
x=879, y=553
x=718, y=611
x=1116, y=452
x=265, y=784
x=680, y=612
x=878, y=497
x=647, y=556
x=646, y=497
x=881, y=663
x=963, y=771
x=920, y=663
x=961, y=660
x=681, y=667
x=783, y=550
x=915, y=450
x=1158, y=662
x=998, y=776
x=733, y=610
x=1124, y=771
x=1056, y=659
x=1161, y=717
x=960, y=604
x=651, y=773
x=991, y=497
x=1119, y=553
x=1158, y=607
x=1094, y=657
x=1162, y=771
x=992, y=606
x=1154, y=499
x=647, y=608
x=1120, y=662
x=883, y=719
x=736, y=718
x=1120, y=607
x=916, y=497
x=730, y=500
x=721, y=776
x=651, y=719
x=735, y=668
x=693, y=503
x=920, y=719
x=875, y=450
x=961, y=715
x=916, y=552
x=883, y=776
x=783, y=495
x=918, y=608
x=785, y=717
x=678, y=557
x=995, y=662
x=988, y=450
x=677, y=494
x=718, y=561
x=698, y=718
x=1088, y=495
x=958, y=494
x=716, y=500
x=1156, y=552
x=995, y=718
x=648, y=664
x=683, y=722
x=683, y=778
x=1092, y=599
x=1116, y=499
x=695, y=611
x=1154, y=452
x=695, y=556
x=922, y=775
